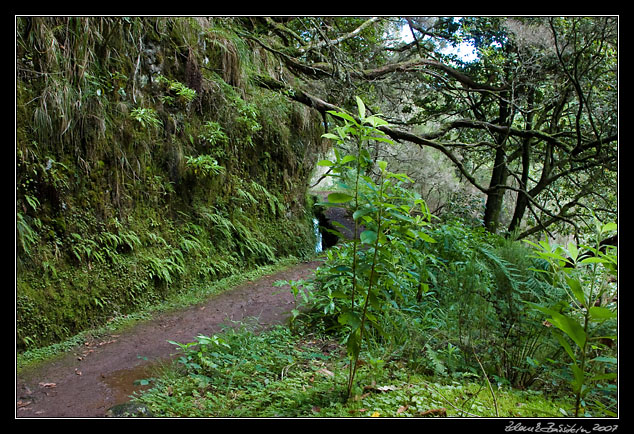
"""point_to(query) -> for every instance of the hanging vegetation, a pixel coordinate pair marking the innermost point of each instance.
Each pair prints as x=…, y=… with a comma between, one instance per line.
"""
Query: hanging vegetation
x=128, y=129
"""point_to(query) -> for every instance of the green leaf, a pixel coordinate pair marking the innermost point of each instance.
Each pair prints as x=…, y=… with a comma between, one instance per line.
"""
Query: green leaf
x=350, y=318
x=342, y=115
x=331, y=136
x=402, y=177
x=608, y=227
x=347, y=159
x=593, y=260
x=341, y=269
x=361, y=107
x=382, y=165
x=374, y=302
x=422, y=235
x=382, y=139
x=32, y=201
x=566, y=346
x=294, y=313
x=577, y=291
x=354, y=344
x=377, y=122
x=608, y=376
x=368, y=237
x=339, y=198
x=552, y=255
x=572, y=250
x=579, y=377
x=571, y=327
x=335, y=232
x=339, y=294
x=599, y=313
x=531, y=243
x=362, y=211
x=326, y=163
x=339, y=225
x=604, y=359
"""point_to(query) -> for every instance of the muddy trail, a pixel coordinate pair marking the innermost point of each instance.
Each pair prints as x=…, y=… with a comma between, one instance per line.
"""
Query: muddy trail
x=91, y=379
x=103, y=373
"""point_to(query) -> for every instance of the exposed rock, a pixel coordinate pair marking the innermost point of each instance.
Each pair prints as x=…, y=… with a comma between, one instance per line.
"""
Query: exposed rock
x=129, y=409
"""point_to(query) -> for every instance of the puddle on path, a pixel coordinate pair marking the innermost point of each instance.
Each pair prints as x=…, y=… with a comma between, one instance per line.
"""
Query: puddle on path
x=125, y=382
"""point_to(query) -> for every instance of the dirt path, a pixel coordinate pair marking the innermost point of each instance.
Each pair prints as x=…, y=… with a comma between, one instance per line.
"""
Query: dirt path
x=90, y=380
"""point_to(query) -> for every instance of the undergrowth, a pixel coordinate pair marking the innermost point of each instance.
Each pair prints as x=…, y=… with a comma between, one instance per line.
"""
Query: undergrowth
x=471, y=346
x=419, y=317
x=246, y=372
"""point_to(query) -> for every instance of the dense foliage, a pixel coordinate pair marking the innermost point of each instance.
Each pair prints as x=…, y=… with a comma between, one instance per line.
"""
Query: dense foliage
x=444, y=299
x=245, y=372
x=527, y=122
x=146, y=164
x=157, y=155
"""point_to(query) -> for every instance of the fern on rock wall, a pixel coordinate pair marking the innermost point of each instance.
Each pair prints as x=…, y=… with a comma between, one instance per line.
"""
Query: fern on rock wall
x=146, y=163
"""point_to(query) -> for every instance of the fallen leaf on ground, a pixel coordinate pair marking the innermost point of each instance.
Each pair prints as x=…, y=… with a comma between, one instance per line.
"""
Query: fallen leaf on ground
x=441, y=412
x=402, y=408
x=326, y=372
x=386, y=388
x=48, y=385
x=374, y=388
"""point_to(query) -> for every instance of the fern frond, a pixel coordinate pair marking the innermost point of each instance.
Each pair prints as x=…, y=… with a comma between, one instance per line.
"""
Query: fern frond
x=219, y=222
x=246, y=197
x=507, y=269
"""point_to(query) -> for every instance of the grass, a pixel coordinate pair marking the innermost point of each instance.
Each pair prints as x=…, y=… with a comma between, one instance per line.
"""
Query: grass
x=276, y=373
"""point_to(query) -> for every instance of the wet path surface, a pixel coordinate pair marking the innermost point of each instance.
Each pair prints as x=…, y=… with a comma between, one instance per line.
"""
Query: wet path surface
x=88, y=381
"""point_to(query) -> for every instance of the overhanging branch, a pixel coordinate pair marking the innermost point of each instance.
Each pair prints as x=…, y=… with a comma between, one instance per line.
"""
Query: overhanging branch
x=398, y=135
x=321, y=70
x=340, y=39
x=418, y=64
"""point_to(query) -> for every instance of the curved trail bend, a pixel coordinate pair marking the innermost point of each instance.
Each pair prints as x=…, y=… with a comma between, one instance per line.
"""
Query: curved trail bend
x=89, y=380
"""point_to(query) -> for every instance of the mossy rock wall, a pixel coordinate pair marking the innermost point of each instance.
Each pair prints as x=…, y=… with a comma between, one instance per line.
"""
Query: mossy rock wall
x=146, y=165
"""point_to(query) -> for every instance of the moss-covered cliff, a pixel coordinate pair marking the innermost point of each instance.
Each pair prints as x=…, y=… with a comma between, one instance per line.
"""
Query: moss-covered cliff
x=146, y=164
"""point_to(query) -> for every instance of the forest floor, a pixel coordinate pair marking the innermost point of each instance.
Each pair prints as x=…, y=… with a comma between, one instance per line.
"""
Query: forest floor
x=100, y=374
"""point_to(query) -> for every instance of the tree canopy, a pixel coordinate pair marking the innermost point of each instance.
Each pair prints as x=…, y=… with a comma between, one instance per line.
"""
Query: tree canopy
x=529, y=120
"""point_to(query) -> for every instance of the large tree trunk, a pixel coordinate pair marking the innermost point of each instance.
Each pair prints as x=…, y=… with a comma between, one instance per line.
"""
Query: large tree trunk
x=518, y=214
x=499, y=175
x=495, y=198
x=522, y=198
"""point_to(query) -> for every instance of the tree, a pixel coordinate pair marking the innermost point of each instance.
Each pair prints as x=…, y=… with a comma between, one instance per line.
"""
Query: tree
x=538, y=104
